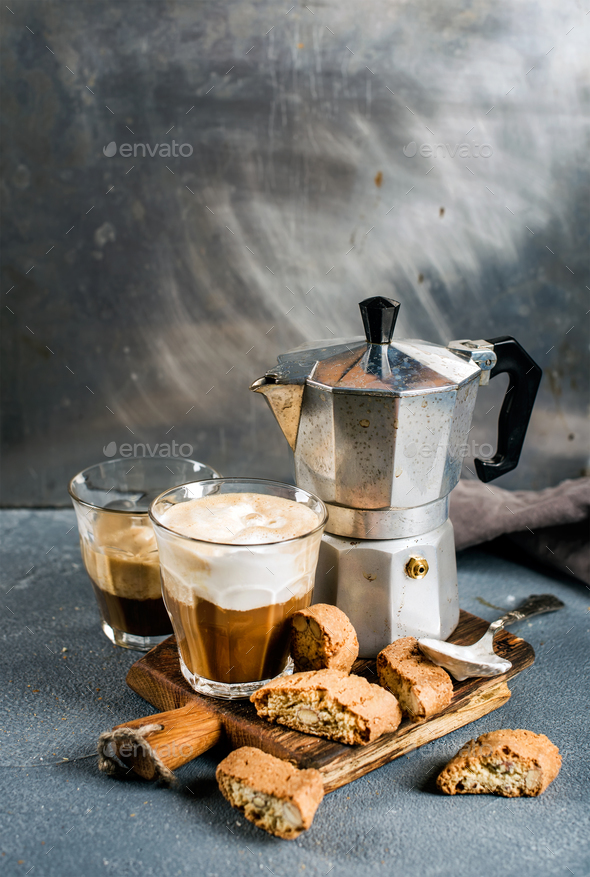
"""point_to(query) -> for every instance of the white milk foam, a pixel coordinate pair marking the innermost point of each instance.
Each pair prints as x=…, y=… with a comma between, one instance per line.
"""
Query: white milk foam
x=241, y=518
x=248, y=572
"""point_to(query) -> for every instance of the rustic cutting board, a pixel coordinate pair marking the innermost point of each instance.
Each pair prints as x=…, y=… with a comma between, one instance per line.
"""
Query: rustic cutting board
x=157, y=678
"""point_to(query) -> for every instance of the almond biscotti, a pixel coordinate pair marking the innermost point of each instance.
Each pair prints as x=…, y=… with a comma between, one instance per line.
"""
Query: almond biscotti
x=322, y=637
x=329, y=703
x=509, y=763
x=271, y=793
x=422, y=688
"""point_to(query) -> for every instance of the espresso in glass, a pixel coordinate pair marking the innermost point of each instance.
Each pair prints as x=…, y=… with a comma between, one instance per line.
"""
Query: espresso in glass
x=237, y=557
x=118, y=544
x=122, y=562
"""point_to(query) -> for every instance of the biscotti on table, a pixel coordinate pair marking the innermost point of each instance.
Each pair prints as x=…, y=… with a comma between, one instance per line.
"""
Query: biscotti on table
x=508, y=763
x=421, y=687
x=271, y=793
x=322, y=638
x=329, y=703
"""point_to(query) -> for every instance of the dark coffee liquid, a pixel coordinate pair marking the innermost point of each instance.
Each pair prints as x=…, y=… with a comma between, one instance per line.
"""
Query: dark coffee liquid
x=226, y=645
x=125, y=573
x=137, y=617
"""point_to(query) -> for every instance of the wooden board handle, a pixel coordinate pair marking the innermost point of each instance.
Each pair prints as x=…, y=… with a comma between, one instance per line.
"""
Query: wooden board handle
x=156, y=745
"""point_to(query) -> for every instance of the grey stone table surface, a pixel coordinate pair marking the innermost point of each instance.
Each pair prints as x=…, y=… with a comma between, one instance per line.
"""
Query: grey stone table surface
x=63, y=683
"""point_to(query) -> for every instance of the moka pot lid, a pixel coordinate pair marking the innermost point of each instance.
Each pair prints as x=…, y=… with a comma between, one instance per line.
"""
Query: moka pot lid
x=376, y=364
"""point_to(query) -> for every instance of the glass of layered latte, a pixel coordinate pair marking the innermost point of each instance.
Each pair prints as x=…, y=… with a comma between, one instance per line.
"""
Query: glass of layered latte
x=237, y=556
x=118, y=544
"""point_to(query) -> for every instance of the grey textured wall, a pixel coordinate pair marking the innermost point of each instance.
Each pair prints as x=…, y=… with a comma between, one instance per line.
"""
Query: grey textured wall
x=142, y=295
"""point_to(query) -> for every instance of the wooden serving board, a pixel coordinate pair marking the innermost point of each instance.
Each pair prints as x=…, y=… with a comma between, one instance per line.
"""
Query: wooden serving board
x=157, y=678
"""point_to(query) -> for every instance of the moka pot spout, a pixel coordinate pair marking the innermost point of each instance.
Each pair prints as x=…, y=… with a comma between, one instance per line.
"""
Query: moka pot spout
x=283, y=387
x=285, y=403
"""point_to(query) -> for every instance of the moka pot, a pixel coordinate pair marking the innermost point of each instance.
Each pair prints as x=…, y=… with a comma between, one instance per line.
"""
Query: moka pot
x=378, y=430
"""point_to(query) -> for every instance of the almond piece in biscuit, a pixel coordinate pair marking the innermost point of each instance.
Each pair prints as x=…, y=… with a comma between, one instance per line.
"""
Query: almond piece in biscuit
x=322, y=637
x=422, y=688
x=509, y=763
x=329, y=703
x=271, y=793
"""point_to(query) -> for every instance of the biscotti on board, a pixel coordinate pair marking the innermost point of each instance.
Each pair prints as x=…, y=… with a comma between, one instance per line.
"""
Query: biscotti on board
x=509, y=763
x=329, y=703
x=322, y=637
x=421, y=687
x=271, y=793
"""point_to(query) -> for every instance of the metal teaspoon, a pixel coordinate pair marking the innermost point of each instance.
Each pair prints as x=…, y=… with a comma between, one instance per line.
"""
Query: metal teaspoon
x=480, y=659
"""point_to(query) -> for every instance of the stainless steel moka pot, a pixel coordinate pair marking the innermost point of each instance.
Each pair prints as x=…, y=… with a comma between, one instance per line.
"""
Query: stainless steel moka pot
x=378, y=429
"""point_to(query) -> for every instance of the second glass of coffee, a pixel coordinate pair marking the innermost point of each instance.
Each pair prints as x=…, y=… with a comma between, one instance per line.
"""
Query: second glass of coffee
x=237, y=557
x=118, y=544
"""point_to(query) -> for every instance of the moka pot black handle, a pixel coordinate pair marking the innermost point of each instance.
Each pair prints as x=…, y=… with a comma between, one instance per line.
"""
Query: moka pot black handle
x=525, y=377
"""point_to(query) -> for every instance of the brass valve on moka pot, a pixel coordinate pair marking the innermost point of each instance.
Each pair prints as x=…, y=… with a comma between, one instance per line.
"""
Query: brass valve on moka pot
x=377, y=429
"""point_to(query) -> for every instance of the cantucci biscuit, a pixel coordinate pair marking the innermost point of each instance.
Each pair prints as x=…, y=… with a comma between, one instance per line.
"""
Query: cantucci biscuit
x=271, y=793
x=322, y=638
x=422, y=688
x=329, y=703
x=509, y=763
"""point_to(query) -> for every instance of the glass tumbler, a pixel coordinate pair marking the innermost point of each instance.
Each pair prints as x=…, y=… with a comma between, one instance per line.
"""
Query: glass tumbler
x=230, y=602
x=118, y=544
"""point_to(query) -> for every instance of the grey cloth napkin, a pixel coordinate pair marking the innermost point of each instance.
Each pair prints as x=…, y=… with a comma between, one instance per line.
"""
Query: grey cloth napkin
x=552, y=525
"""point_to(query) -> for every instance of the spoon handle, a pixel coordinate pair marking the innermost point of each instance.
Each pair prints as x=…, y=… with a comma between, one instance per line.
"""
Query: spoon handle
x=536, y=604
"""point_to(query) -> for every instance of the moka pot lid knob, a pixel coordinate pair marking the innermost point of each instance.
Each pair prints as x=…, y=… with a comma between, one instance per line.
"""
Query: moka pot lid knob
x=379, y=318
